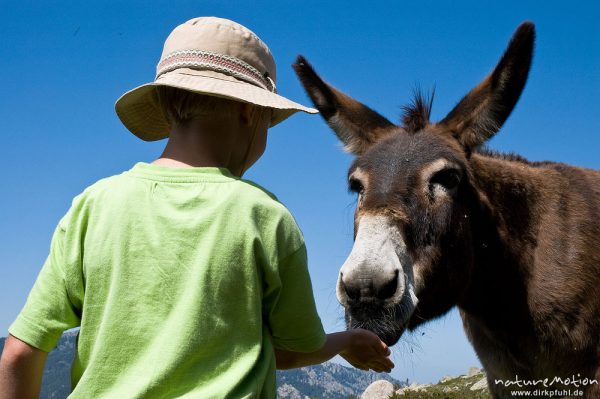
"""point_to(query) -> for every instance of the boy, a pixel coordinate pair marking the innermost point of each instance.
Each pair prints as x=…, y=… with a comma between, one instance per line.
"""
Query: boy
x=185, y=280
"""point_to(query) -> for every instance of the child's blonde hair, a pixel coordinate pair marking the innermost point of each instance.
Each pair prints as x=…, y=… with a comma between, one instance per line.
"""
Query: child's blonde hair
x=182, y=106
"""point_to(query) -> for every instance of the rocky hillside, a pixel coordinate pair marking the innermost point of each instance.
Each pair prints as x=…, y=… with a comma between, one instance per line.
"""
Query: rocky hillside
x=472, y=385
x=326, y=381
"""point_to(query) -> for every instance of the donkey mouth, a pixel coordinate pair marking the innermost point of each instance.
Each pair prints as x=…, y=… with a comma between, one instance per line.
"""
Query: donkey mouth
x=388, y=323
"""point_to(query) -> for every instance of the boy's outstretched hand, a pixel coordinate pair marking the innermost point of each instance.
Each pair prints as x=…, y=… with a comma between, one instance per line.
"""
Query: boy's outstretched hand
x=361, y=348
x=367, y=352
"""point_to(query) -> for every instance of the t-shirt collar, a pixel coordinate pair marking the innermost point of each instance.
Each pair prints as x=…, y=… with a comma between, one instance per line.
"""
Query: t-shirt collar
x=181, y=174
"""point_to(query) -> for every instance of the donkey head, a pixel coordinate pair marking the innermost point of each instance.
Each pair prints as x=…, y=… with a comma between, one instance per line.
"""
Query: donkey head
x=411, y=252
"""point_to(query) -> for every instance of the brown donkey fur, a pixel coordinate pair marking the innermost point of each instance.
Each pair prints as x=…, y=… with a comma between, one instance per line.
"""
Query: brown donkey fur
x=514, y=244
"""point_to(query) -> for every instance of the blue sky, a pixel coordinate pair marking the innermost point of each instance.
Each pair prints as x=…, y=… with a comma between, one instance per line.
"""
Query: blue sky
x=65, y=63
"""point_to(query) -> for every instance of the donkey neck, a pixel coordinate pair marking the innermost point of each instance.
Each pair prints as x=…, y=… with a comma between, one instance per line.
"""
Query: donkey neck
x=510, y=193
x=505, y=218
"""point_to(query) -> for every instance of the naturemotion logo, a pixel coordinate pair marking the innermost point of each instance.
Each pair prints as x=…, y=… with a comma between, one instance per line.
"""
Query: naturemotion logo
x=559, y=386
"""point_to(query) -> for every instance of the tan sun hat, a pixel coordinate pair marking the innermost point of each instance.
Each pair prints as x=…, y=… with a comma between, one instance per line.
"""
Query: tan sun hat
x=212, y=56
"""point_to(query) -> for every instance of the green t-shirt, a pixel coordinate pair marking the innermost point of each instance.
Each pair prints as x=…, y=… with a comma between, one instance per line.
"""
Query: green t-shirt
x=182, y=280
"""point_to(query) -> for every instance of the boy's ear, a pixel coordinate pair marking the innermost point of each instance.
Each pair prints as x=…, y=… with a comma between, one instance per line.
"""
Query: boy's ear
x=355, y=124
x=481, y=113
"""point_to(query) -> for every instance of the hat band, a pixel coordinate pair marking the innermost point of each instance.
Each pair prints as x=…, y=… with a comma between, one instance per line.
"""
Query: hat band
x=198, y=59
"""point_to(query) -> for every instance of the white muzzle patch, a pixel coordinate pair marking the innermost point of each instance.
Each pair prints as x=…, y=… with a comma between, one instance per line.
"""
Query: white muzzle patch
x=379, y=255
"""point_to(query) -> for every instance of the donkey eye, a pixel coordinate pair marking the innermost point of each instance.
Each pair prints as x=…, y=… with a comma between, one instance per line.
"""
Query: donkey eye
x=447, y=178
x=355, y=186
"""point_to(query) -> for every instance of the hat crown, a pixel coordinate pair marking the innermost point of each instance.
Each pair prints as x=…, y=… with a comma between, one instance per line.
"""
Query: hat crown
x=224, y=37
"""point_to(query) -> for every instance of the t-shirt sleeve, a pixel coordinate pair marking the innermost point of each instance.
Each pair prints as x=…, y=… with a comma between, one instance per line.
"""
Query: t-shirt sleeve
x=48, y=310
x=291, y=312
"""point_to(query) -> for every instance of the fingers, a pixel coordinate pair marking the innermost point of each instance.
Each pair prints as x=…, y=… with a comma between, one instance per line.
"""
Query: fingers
x=383, y=349
x=377, y=367
x=368, y=352
x=380, y=369
x=384, y=366
x=378, y=344
x=377, y=364
x=388, y=364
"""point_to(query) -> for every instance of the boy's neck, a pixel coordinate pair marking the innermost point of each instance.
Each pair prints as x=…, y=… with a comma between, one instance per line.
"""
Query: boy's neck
x=174, y=163
x=200, y=146
x=190, y=153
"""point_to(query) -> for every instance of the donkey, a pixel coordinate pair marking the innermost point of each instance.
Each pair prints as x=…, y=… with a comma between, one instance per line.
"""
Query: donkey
x=441, y=222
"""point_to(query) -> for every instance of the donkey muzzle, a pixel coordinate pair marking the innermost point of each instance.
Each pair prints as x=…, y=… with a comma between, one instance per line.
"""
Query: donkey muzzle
x=373, y=273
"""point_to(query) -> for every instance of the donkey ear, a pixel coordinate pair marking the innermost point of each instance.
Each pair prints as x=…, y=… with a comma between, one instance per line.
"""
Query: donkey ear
x=355, y=124
x=481, y=113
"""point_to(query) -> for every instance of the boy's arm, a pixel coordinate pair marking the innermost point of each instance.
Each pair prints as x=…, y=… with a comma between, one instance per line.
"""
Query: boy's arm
x=21, y=370
x=361, y=348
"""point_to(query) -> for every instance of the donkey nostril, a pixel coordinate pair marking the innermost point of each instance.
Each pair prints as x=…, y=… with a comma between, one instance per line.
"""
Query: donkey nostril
x=389, y=289
x=367, y=289
x=353, y=292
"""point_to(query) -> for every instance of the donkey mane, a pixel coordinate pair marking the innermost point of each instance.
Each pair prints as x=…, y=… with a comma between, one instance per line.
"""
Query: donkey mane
x=415, y=115
x=512, y=157
x=505, y=156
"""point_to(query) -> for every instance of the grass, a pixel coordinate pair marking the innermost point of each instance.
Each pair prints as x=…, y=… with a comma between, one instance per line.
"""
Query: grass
x=455, y=388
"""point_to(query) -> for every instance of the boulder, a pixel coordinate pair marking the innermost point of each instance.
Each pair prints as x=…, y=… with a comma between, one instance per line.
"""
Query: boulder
x=378, y=390
x=479, y=385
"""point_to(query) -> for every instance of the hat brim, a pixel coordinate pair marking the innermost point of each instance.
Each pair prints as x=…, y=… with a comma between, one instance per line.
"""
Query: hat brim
x=141, y=113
